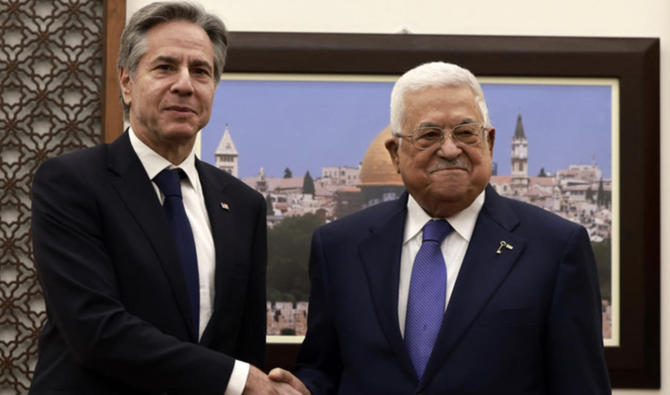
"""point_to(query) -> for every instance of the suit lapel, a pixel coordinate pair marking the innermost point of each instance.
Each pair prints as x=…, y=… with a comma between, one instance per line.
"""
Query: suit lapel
x=482, y=272
x=380, y=254
x=214, y=191
x=137, y=193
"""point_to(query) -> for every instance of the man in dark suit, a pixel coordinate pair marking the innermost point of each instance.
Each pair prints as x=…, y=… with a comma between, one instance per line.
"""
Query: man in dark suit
x=152, y=262
x=502, y=298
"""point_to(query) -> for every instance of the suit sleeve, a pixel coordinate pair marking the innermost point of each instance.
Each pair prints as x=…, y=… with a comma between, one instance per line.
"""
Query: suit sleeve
x=318, y=363
x=83, y=303
x=576, y=361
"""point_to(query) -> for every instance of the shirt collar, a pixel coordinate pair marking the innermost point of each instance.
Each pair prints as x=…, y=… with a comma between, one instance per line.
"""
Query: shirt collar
x=462, y=222
x=153, y=163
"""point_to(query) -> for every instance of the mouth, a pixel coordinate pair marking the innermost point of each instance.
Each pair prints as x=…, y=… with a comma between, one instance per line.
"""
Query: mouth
x=455, y=164
x=183, y=110
x=447, y=168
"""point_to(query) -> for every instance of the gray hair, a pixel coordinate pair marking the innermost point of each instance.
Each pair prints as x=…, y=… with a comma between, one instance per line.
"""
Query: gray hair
x=133, y=38
x=433, y=74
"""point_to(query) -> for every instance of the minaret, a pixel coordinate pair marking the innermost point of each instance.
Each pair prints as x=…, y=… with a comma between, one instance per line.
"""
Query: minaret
x=261, y=184
x=226, y=154
x=519, y=157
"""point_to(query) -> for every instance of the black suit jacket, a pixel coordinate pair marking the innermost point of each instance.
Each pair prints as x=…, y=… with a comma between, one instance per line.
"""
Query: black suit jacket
x=525, y=321
x=117, y=306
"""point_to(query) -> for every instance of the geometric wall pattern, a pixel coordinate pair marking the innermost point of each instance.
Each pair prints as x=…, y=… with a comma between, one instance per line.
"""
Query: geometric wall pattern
x=51, y=55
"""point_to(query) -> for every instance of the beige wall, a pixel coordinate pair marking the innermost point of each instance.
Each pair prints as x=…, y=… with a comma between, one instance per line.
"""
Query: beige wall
x=616, y=18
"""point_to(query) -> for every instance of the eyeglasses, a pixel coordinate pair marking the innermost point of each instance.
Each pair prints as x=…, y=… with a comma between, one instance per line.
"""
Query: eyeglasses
x=430, y=136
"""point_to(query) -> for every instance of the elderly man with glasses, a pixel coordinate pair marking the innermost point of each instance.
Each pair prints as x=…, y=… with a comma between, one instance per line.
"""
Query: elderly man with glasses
x=451, y=289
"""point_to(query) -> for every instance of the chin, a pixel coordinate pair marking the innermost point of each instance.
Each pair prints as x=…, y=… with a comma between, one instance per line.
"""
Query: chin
x=181, y=132
x=457, y=194
x=450, y=190
x=450, y=198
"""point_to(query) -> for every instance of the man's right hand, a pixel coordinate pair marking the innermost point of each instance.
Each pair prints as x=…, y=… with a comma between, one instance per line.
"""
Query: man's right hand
x=259, y=383
x=279, y=375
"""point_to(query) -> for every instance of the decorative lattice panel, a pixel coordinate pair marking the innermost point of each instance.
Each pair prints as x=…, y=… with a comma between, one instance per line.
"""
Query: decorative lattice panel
x=50, y=103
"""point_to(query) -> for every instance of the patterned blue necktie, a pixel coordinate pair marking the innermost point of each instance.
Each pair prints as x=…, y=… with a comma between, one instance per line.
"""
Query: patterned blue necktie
x=168, y=182
x=427, y=292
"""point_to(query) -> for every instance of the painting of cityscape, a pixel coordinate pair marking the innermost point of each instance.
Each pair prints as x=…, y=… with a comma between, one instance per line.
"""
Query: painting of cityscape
x=313, y=146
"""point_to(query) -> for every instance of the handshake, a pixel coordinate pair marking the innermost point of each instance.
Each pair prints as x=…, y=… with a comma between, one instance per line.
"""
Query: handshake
x=278, y=381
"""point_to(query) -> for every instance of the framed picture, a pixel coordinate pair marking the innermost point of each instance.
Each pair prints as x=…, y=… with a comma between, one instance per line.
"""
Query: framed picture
x=322, y=157
x=632, y=64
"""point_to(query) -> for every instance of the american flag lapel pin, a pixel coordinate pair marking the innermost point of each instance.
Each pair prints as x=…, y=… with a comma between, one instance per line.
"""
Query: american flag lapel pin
x=225, y=206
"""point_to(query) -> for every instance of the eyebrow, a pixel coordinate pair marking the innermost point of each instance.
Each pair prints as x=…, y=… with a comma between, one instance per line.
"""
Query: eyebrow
x=429, y=124
x=165, y=59
x=201, y=63
x=173, y=60
x=466, y=121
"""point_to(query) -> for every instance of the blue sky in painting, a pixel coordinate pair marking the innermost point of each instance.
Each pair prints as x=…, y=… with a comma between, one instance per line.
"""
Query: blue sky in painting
x=306, y=125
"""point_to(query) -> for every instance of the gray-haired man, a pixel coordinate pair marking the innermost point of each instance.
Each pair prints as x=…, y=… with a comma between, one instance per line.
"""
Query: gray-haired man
x=152, y=262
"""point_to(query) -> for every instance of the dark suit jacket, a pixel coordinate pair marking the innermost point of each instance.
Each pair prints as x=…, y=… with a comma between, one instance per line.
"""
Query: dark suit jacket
x=526, y=321
x=117, y=306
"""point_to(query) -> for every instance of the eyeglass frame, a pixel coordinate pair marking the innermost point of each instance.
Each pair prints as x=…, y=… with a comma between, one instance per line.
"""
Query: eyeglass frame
x=483, y=130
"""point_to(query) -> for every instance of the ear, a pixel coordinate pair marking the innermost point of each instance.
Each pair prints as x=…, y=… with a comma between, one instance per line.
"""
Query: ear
x=491, y=140
x=126, y=84
x=392, y=146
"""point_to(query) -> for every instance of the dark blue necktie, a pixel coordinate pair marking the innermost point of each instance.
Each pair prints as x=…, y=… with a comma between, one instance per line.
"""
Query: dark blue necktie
x=168, y=182
x=427, y=292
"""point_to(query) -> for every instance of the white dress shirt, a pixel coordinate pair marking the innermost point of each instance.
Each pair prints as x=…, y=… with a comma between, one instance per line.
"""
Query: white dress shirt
x=453, y=247
x=196, y=211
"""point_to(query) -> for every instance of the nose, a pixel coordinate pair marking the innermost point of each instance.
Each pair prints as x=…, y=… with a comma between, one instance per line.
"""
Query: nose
x=182, y=84
x=448, y=149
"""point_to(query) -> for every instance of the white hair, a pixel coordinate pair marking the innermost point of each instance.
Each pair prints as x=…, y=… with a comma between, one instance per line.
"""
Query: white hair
x=430, y=75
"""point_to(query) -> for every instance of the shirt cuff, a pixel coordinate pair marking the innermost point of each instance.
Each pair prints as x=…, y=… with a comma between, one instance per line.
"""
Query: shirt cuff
x=238, y=378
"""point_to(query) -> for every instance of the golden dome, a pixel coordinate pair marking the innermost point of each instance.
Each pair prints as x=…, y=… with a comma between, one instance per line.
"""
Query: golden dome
x=377, y=168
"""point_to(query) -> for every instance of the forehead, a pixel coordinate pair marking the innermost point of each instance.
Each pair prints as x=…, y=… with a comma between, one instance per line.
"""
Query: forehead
x=442, y=105
x=179, y=38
